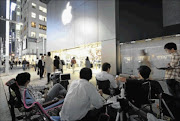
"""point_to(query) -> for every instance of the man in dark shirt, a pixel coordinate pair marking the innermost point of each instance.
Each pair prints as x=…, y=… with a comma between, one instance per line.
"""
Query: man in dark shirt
x=41, y=66
x=140, y=90
x=56, y=63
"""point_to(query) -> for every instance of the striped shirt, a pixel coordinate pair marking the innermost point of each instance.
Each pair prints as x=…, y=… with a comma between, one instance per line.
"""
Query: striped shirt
x=175, y=72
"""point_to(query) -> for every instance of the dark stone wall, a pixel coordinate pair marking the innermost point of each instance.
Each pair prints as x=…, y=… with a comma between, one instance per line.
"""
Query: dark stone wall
x=171, y=12
x=140, y=19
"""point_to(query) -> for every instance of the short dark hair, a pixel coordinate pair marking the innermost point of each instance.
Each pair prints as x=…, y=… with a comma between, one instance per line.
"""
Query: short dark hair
x=22, y=78
x=86, y=73
x=49, y=53
x=170, y=45
x=144, y=71
x=105, y=66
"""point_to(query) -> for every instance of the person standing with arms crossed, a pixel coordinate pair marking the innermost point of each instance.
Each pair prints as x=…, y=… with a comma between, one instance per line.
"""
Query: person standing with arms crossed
x=174, y=71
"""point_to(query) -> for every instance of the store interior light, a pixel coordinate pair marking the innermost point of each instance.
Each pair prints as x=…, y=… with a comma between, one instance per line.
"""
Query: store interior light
x=133, y=42
x=13, y=6
x=177, y=35
x=148, y=40
x=121, y=43
x=20, y=23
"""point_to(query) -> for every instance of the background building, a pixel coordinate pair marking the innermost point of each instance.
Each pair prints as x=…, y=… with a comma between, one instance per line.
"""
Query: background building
x=18, y=43
x=33, y=31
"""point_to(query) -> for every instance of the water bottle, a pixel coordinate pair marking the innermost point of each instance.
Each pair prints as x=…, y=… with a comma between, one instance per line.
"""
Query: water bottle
x=122, y=91
x=118, y=83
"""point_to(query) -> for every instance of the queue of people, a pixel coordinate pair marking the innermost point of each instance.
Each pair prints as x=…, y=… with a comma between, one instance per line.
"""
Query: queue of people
x=81, y=94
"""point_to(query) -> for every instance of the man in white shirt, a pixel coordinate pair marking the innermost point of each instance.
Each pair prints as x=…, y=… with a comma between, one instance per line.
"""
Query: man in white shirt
x=48, y=66
x=81, y=95
x=104, y=76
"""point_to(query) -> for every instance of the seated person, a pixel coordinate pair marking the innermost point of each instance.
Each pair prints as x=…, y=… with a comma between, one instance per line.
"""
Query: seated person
x=104, y=75
x=23, y=79
x=79, y=99
x=137, y=89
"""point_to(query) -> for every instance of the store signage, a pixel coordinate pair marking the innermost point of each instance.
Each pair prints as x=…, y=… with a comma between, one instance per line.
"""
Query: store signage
x=66, y=15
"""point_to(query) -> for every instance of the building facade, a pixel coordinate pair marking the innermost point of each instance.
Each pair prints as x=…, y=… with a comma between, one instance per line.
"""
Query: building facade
x=33, y=31
x=84, y=28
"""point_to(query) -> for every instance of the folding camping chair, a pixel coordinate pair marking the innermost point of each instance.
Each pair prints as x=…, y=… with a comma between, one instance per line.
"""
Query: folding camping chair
x=15, y=101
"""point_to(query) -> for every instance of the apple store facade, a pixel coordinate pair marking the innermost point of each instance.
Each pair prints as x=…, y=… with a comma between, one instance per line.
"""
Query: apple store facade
x=81, y=28
x=113, y=31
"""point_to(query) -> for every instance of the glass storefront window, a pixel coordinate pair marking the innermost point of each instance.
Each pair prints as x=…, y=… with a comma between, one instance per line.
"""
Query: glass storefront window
x=42, y=35
x=33, y=34
x=93, y=51
x=18, y=13
x=33, y=24
x=33, y=5
x=33, y=15
x=42, y=18
x=42, y=9
x=43, y=27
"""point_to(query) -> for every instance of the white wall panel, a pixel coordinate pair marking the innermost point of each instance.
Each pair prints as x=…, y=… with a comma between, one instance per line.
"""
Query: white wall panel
x=109, y=54
x=130, y=54
x=106, y=16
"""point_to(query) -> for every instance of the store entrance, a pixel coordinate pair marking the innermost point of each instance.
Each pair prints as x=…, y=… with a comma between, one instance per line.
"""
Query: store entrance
x=93, y=51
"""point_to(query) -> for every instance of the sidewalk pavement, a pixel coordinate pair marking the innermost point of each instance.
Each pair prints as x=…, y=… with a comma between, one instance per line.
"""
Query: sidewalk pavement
x=4, y=110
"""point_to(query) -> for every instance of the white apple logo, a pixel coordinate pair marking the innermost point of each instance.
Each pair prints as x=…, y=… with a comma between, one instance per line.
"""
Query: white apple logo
x=66, y=15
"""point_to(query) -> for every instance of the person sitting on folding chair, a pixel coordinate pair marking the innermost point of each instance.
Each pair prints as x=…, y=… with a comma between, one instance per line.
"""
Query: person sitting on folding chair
x=23, y=79
x=79, y=99
x=140, y=90
x=106, y=76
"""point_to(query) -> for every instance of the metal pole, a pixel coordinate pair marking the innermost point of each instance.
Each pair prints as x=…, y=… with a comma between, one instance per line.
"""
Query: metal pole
x=43, y=46
x=7, y=37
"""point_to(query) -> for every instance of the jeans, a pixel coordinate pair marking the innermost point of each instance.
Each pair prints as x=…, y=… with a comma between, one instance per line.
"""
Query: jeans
x=24, y=66
x=41, y=71
x=55, y=91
